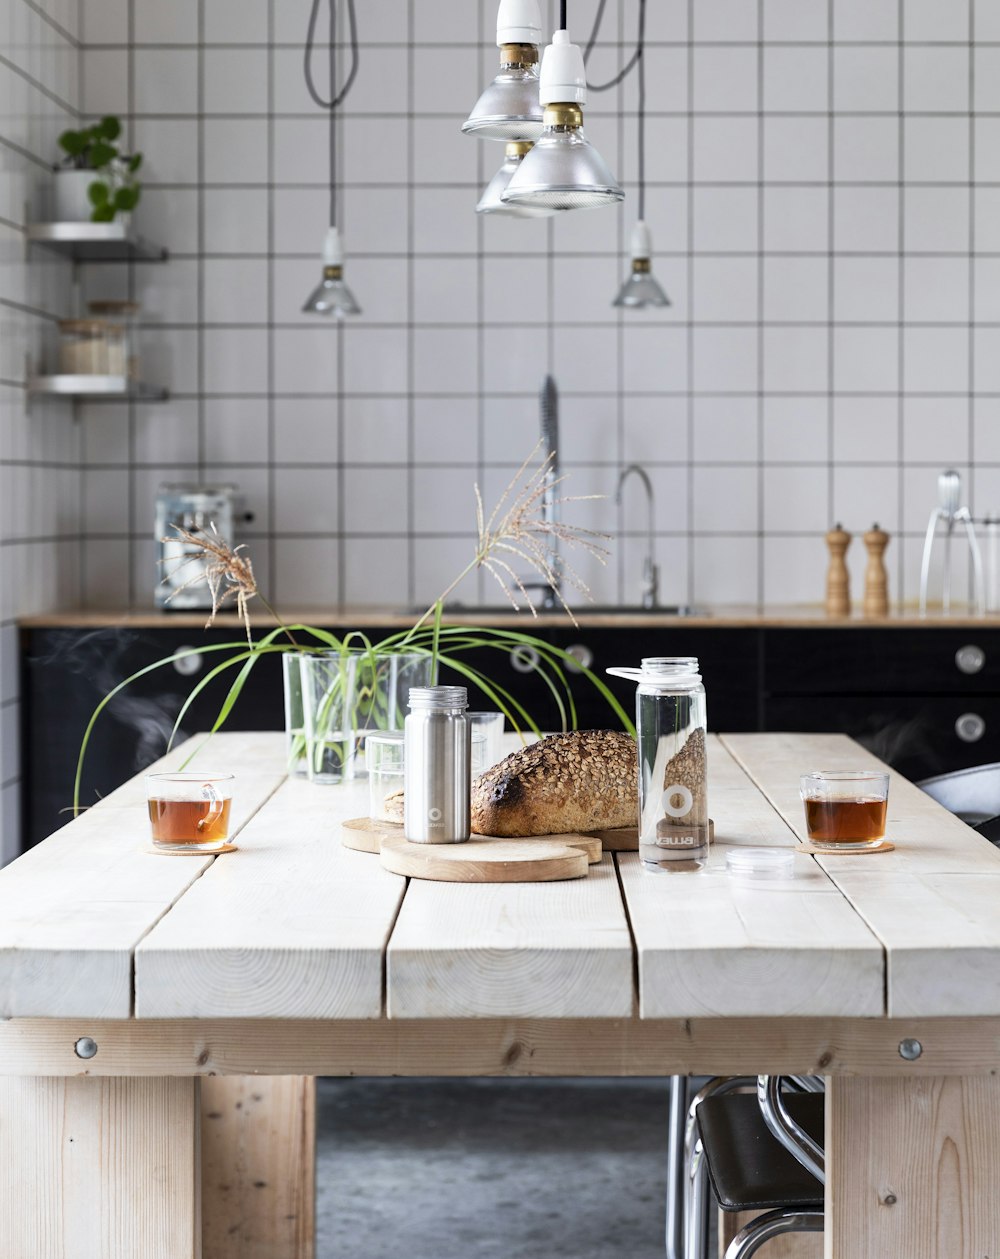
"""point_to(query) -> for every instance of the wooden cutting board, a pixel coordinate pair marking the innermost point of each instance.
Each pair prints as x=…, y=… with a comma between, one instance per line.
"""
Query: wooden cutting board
x=365, y=834
x=484, y=860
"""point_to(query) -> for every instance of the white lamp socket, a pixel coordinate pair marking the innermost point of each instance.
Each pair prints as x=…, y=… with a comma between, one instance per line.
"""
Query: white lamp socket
x=642, y=241
x=333, y=251
x=563, y=78
x=519, y=22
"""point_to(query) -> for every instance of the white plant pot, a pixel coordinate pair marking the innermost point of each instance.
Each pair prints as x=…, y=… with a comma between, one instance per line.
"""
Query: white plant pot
x=70, y=203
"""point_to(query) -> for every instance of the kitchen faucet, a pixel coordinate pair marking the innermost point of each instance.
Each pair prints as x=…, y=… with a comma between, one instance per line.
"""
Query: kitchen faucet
x=549, y=417
x=650, y=573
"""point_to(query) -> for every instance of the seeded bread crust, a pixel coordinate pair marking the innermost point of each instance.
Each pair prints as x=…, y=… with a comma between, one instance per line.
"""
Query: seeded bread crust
x=582, y=781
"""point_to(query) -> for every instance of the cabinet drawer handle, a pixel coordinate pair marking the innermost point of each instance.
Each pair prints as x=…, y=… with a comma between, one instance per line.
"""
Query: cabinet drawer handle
x=582, y=658
x=970, y=658
x=524, y=659
x=970, y=727
x=187, y=666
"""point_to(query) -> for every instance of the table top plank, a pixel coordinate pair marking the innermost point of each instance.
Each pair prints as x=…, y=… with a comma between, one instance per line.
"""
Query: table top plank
x=708, y=945
x=557, y=950
x=73, y=909
x=292, y=925
x=934, y=902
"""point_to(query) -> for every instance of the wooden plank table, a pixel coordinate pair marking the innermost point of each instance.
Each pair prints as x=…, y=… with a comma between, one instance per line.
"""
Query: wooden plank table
x=161, y=1018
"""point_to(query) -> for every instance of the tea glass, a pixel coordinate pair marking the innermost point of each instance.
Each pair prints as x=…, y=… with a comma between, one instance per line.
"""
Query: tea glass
x=189, y=812
x=845, y=809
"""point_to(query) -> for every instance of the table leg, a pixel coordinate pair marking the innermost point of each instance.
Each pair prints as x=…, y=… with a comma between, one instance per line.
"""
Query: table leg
x=99, y=1168
x=912, y=1167
x=259, y=1166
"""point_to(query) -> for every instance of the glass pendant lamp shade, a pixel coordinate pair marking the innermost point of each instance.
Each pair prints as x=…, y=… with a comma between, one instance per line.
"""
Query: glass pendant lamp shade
x=563, y=171
x=490, y=202
x=641, y=289
x=509, y=109
x=332, y=296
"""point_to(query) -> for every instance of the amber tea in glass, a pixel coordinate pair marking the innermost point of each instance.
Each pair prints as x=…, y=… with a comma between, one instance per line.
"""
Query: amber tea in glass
x=845, y=809
x=189, y=812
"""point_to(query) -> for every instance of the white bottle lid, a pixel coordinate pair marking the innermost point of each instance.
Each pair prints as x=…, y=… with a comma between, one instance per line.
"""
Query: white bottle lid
x=760, y=865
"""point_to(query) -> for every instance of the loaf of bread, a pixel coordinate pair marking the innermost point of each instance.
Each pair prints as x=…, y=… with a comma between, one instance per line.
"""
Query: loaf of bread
x=582, y=781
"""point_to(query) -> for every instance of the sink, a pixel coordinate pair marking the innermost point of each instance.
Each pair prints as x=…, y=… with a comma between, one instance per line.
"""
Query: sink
x=583, y=609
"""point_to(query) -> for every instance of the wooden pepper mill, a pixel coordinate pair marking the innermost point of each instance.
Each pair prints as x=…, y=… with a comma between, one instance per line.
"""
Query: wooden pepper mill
x=838, y=586
x=876, y=578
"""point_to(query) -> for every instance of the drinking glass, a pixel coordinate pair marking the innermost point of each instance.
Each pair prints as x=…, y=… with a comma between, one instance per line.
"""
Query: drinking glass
x=845, y=809
x=189, y=812
x=347, y=693
x=295, y=727
x=490, y=749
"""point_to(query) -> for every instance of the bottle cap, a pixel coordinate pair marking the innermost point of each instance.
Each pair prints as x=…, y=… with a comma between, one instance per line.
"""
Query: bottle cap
x=760, y=865
x=439, y=698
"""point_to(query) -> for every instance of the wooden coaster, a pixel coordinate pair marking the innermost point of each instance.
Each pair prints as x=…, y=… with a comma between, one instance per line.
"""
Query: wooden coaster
x=624, y=839
x=885, y=846
x=169, y=852
x=365, y=834
x=481, y=860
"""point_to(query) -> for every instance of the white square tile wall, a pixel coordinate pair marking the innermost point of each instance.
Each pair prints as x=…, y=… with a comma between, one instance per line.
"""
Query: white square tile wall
x=822, y=198
x=41, y=486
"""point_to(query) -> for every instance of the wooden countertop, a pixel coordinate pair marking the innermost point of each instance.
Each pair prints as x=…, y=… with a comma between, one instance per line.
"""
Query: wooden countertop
x=802, y=616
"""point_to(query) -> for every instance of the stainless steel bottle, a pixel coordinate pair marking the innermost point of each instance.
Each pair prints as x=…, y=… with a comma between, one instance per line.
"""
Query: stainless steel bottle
x=437, y=765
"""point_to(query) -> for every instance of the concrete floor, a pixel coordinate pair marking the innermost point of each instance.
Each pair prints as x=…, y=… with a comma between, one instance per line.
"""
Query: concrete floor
x=471, y=1169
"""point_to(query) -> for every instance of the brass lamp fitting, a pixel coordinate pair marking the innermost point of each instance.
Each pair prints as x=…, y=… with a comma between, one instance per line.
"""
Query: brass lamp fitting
x=518, y=55
x=567, y=114
x=332, y=273
x=641, y=266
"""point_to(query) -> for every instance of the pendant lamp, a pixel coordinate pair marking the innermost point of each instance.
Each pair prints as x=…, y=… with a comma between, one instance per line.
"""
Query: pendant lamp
x=509, y=109
x=490, y=202
x=640, y=289
x=332, y=296
x=563, y=171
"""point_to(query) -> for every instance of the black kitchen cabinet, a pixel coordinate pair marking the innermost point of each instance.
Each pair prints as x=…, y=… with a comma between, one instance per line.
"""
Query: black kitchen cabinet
x=925, y=700
x=67, y=672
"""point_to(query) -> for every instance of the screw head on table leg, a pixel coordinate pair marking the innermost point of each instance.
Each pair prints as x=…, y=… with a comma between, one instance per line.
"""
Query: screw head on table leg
x=910, y=1049
x=85, y=1047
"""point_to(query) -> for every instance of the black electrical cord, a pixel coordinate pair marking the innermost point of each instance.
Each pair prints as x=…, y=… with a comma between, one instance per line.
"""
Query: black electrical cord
x=640, y=59
x=336, y=98
x=632, y=62
x=562, y=15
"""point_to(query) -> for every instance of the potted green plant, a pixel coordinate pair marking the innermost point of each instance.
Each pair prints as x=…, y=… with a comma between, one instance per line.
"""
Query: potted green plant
x=518, y=531
x=95, y=180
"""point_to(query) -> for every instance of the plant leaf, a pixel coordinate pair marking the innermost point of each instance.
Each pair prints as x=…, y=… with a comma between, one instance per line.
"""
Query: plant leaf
x=109, y=127
x=73, y=142
x=102, y=214
x=101, y=154
x=134, y=162
x=98, y=192
x=126, y=198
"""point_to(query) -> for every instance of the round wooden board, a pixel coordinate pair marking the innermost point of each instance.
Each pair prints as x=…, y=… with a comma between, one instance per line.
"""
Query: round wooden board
x=885, y=846
x=482, y=860
x=365, y=834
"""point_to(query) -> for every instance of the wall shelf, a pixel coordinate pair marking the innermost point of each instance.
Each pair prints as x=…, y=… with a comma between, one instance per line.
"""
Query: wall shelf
x=96, y=242
x=96, y=388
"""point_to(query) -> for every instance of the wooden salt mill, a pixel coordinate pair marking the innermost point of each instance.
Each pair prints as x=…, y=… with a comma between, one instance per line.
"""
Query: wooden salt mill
x=838, y=585
x=876, y=578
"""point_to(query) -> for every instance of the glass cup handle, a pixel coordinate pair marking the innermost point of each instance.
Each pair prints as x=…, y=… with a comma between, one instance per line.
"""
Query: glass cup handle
x=208, y=792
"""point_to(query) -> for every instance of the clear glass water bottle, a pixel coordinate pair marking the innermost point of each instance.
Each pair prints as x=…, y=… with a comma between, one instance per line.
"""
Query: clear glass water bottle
x=673, y=787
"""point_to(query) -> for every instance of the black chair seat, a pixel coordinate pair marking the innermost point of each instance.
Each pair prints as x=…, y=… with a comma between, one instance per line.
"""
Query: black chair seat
x=751, y=1170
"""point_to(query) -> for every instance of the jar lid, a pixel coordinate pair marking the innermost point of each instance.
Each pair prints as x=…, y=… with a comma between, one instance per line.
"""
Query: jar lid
x=662, y=672
x=439, y=698
x=106, y=307
x=87, y=327
x=384, y=736
x=760, y=865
